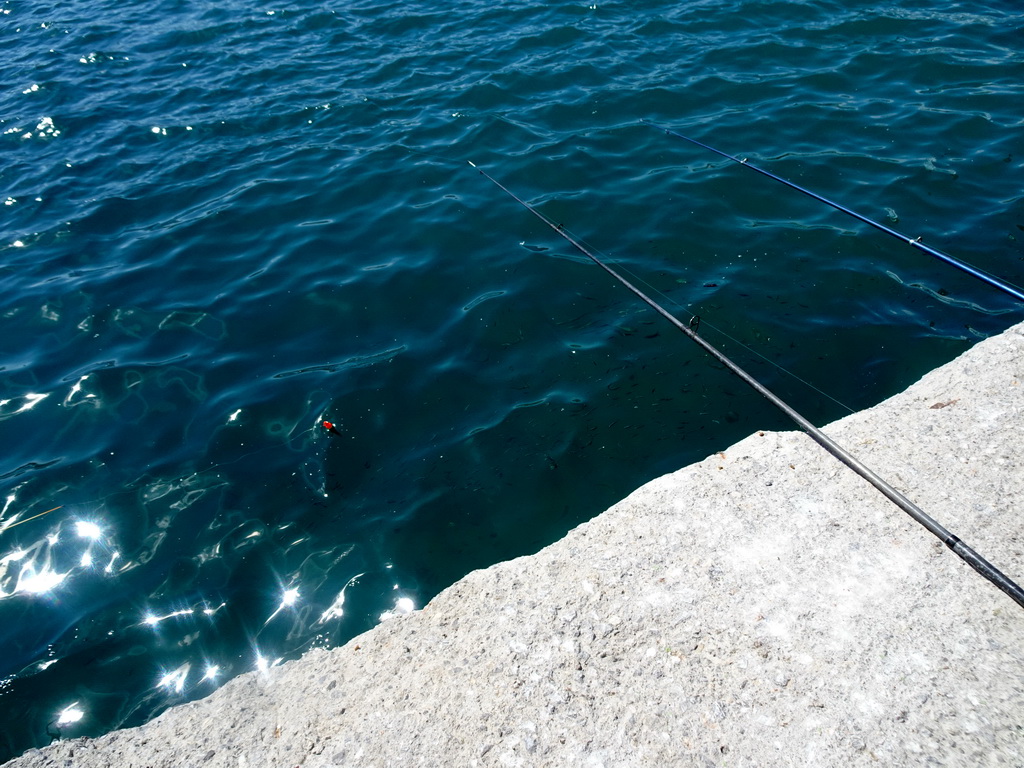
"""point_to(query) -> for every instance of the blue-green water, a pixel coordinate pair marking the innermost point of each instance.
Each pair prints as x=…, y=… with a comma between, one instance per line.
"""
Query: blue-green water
x=223, y=223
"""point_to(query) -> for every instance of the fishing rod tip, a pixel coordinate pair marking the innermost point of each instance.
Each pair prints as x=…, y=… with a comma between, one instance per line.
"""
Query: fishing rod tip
x=471, y=163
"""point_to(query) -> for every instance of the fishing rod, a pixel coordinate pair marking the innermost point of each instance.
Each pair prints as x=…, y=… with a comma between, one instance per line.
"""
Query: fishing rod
x=968, y=555
x=995, y=282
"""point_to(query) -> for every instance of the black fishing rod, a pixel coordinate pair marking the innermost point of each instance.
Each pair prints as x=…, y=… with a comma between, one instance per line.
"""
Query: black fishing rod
x=995, y=282
x=968, y=555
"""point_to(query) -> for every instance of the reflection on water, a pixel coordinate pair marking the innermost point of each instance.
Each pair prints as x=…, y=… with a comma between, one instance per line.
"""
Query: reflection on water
x=70, y=714
x=403, y=605
x=175, y=680
x=336, y=609
x=59, y=563
x=43, y=566
x=263, y=664
x=287, y=599
x=88, y=530
x=26, y=402
x=153, y=620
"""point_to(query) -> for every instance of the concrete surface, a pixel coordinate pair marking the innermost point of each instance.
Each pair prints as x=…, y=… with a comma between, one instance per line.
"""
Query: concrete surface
x=765, y=607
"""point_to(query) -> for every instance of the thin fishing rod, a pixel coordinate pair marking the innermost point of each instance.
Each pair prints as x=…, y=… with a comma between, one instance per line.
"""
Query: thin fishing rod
x=968, y=555
x=995, y=282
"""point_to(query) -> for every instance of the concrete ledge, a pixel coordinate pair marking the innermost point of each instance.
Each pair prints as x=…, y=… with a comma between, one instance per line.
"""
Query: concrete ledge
x=763, y=607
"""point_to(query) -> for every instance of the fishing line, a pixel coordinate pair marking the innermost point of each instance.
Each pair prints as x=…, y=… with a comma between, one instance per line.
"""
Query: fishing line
x=915, y=242
x=781, y=368
x=27, y=519
x=424, y=153
x=705, y=321
x=968, y=555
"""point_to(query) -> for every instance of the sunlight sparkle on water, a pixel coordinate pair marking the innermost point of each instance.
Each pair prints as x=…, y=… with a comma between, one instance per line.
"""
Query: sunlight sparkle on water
x=70, y=714
x=176, y=679
x=152, y=619
x=88, y=530
x=208, y=611
x=263, y=664
x=403, y=605
x=288, y=599
x=336, y=610
x=31, y=400
x=38, y=583
x=15, y=556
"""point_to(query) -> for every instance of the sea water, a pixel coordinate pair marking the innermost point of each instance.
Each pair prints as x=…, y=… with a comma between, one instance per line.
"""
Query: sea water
x=225, y=223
